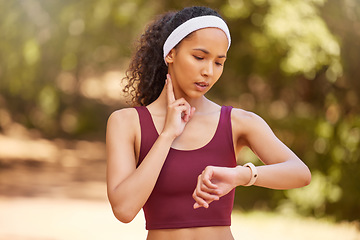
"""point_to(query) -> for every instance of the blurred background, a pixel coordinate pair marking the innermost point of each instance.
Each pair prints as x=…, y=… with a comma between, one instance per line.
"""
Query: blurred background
x=295, y=63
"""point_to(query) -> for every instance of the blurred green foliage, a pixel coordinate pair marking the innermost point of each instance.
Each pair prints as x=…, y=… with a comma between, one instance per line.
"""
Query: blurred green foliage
x=295, y=63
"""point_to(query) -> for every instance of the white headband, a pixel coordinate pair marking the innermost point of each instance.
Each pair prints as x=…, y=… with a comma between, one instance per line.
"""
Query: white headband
x=192, y=25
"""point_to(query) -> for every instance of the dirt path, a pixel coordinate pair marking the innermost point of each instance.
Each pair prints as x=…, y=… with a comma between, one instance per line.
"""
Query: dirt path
x=69, y=219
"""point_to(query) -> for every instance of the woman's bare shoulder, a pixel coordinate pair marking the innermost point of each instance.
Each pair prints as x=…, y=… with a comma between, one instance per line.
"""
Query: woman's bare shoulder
x=123, y=117
x=239, y=114
x=245, y=121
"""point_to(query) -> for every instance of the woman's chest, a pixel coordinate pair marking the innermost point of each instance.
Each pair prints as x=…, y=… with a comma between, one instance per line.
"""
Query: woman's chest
x=198, y=132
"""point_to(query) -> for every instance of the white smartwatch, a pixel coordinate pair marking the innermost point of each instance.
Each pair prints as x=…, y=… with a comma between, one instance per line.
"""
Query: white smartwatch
x=254, y=174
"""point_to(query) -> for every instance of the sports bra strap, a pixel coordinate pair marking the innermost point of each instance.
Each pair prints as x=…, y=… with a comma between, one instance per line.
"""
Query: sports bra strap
x=148, y=132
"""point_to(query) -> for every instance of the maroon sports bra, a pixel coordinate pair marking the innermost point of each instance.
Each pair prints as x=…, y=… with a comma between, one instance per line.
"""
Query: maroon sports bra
x=170, y=204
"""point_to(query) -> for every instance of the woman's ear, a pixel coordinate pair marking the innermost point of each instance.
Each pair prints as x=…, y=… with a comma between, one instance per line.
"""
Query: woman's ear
x=170, y=57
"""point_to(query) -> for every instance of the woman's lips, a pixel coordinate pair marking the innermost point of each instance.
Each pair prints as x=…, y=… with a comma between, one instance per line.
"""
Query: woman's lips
x=201, y=86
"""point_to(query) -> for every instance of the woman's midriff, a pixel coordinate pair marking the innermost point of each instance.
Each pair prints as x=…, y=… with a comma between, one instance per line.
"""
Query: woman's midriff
x=200, y=233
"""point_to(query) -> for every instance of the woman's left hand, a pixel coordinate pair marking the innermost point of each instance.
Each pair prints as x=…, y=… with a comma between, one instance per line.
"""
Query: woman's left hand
x=213, y=183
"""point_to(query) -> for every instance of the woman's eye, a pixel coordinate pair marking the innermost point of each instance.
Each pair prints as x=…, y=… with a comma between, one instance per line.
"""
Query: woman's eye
x=219, y=64
x=198, y=58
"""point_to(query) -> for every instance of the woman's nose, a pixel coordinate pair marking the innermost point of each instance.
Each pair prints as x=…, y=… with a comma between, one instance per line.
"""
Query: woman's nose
x=208, y=69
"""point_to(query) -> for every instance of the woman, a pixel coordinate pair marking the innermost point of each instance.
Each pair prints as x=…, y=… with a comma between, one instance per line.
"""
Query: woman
x=175, y=155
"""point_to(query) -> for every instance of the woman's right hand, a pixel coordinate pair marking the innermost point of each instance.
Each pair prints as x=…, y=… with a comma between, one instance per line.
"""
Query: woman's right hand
x=179, y=112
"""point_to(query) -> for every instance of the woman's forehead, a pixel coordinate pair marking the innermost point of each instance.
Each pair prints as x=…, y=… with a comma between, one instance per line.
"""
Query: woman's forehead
x=212, y=38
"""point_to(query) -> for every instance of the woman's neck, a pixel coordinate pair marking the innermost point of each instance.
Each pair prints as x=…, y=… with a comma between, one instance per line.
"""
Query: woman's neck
x=201, y=104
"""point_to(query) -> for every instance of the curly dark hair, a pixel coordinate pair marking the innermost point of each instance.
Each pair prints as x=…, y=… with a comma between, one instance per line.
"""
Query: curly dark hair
x=147, y=70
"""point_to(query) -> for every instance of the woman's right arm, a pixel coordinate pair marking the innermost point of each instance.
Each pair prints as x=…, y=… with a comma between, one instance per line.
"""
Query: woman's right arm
x=129, y=187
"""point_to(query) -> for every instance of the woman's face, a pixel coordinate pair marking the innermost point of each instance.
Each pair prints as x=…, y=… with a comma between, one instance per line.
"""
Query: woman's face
x=197, y=62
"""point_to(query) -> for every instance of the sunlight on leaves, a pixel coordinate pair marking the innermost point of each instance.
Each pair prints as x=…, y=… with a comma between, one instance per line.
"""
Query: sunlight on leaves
x=314, y=196
x=31, y=52
x=69, y=62
x=236, y=9
x=48, y=100
x=310, y=44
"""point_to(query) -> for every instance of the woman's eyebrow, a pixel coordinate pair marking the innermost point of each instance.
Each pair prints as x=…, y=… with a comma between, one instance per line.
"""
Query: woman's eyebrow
x=207, y=52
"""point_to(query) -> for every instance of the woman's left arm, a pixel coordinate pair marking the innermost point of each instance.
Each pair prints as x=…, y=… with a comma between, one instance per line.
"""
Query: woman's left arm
x=282, y=169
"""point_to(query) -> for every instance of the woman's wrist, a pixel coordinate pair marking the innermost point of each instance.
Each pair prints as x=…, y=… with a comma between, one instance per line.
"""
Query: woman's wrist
x=243, y=175
x=167, y=136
